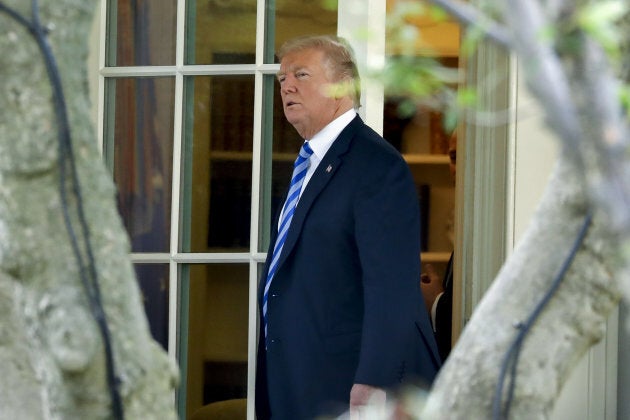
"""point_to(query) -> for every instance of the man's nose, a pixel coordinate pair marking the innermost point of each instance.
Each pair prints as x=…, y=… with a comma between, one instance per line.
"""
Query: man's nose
x=288, y=85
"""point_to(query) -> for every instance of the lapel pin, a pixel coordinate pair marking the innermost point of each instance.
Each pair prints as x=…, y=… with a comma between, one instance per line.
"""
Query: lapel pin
x=329, y=168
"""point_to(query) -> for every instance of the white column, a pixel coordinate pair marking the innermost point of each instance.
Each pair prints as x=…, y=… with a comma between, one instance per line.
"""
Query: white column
x=362, y=23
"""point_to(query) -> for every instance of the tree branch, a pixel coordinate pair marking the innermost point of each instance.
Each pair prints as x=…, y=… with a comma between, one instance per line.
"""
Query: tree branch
x=470, y=16
x=606, y=125
x=544, y=72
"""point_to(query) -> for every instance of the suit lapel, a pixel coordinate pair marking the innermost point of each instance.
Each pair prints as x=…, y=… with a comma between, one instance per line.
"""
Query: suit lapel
x=323, y=174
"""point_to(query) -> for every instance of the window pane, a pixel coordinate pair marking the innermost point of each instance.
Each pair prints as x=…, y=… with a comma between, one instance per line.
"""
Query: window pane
x=294, y=18
x=153, y=282
x=281, y=144
x=217, y=334
x=221, y=32
x=139, y=143
x=141, y=32
x=217, y=186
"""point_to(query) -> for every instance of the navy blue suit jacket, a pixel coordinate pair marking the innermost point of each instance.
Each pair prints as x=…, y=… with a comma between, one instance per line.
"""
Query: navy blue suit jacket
x=345, y=304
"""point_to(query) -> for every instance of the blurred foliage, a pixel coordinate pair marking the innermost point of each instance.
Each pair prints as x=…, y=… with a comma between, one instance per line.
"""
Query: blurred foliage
x=330, y=4
x=416, y=77
x=413, y=73
x=624, y=97
x=472, y=37
x=599, y=20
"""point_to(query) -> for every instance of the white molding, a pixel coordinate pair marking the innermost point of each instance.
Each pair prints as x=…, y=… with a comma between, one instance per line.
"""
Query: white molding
x=483, y=178
x=354, y=16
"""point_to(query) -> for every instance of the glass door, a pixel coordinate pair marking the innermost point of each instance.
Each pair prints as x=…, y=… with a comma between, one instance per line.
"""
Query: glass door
x=195, y=137
x=194, y=134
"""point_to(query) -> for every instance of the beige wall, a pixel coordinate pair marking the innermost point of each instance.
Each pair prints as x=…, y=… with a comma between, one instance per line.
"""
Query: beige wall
x=591, y=392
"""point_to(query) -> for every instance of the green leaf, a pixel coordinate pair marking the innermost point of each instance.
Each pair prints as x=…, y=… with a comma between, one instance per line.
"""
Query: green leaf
x=471, y=39
x=606, y=11
x=330, y=4
x=624, y=97
x=407, y=108
x=450, y=119
x=466, y=96
x=438, y=14
x=599, y=20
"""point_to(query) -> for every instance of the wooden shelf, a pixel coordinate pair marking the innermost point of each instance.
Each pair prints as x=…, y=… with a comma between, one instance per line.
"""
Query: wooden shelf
x=228, y=155
x=426, y=159
x=435, y=257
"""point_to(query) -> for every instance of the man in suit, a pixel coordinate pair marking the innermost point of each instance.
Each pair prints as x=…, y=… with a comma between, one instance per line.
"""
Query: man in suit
x=438, y=293
x=438, y=297
x=342, y=319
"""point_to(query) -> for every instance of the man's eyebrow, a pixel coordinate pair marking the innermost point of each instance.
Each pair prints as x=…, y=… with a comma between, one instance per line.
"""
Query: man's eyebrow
x=292, y=70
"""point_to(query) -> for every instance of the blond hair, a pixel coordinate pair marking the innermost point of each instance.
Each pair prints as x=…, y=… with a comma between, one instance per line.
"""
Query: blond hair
x=339, y=57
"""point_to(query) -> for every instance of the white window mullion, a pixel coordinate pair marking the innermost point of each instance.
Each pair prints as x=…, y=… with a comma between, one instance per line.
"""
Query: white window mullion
x=214, y=258
x=100, y=103
x=174, y=281
x=256, y=164
x=252, y=332
x=139, y=71
x=175, y=211
x=150, y=257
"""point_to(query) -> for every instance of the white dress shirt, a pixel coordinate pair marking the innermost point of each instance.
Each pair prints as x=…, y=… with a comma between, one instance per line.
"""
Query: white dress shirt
x=321, y=142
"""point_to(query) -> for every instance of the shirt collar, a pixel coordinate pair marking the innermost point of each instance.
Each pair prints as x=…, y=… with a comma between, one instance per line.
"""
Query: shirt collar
x=321, y=142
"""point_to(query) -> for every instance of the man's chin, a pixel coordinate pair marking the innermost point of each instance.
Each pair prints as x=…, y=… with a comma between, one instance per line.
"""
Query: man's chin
x=291, y=117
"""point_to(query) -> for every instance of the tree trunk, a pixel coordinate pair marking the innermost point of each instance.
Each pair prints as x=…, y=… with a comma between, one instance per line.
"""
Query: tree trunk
x=574, y=83
x=51, y=351
x=573, y=321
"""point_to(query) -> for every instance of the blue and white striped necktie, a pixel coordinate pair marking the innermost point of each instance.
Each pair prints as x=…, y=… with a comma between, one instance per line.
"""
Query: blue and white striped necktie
x=297, y=179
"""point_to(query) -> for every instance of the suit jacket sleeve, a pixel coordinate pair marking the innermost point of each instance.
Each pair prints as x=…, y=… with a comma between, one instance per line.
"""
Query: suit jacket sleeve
x=388, y=242
x=444, y=314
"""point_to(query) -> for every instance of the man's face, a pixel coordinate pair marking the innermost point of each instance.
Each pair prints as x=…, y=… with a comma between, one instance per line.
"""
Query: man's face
x=304, y=81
